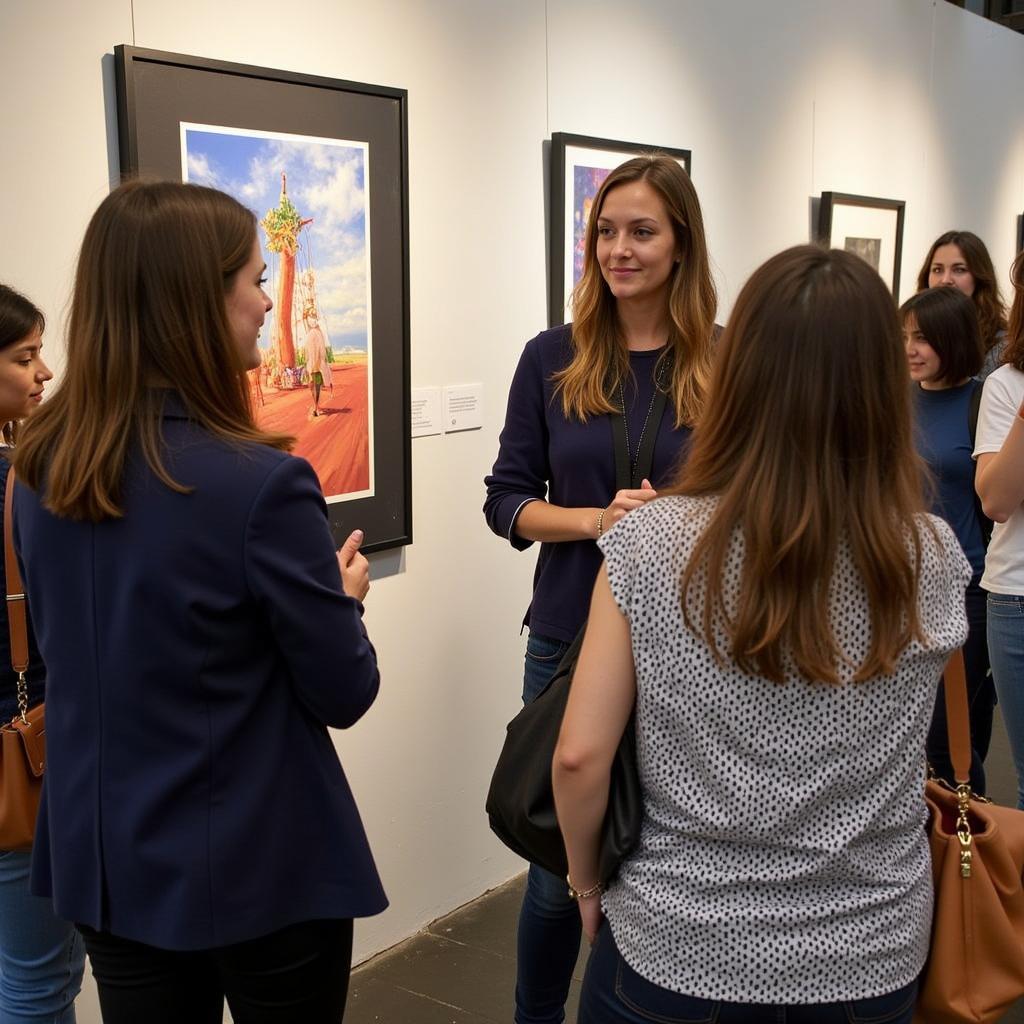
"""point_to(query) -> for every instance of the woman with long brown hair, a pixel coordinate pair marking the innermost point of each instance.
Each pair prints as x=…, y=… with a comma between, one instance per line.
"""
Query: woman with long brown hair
x=200, y=634
x=643, y=325
x=779, y=617
x=999, y=449
x=960, y=259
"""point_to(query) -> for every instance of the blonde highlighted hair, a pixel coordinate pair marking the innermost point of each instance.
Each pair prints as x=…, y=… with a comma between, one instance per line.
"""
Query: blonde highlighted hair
x=807, y=442
x=600, y=357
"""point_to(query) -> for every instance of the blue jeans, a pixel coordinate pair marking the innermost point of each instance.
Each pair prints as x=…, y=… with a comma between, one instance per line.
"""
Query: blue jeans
x=548, y=941
x=1006, y=651
x=41, y=956
x=613, y=993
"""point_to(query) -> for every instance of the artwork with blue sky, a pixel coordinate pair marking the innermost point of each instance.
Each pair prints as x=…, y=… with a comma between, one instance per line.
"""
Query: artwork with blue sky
x=327, y=183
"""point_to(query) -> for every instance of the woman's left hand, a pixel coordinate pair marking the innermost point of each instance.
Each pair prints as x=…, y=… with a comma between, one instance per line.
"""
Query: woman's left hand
x=592, y=917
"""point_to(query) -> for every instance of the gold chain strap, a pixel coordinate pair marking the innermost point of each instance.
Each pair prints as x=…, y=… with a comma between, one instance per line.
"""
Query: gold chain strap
x=23, y=697
x=963, y=829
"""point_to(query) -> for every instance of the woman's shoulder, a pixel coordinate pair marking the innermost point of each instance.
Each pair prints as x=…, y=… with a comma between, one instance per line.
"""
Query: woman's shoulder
x=939, y=545
x=672, y=520
x=232, y=466
x=552, y=347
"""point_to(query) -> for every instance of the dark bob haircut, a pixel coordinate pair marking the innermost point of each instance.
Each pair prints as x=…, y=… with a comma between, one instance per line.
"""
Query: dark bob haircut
x=948, y=321
x=18, y=317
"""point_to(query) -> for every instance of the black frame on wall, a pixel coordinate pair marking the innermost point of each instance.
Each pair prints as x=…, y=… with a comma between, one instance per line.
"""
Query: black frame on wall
x=157, y=91
x=830, y=200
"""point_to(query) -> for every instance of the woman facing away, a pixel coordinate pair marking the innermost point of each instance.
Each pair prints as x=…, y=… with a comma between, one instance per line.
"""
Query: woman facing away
x=959, y=259
x=944, y=353
x=41, y=956
x=999, y=449
x=199, y=639
x=644, y=321
x=780, y=619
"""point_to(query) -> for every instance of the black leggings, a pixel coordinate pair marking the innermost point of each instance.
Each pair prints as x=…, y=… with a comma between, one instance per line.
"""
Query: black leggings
x=298, y=974
x=981, y=697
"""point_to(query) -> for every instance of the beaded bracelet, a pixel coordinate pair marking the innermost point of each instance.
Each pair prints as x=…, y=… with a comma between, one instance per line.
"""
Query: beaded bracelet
x=575, y=894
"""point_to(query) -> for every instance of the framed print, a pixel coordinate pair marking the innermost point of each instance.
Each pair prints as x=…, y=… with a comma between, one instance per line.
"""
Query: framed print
x=579, y=165
x=871, y=228
x=1020, y=232
x=323, y=165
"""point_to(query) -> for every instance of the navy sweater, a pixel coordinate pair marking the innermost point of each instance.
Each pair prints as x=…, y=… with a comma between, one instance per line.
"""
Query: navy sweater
x=944, y=442
x=543, y=455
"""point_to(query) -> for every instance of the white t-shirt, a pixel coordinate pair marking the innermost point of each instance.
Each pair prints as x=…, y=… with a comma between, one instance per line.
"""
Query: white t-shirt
x=1004, y=562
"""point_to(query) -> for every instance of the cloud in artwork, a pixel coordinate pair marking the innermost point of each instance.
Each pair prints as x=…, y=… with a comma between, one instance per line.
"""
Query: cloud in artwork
x=201, y=171
x=326, y=182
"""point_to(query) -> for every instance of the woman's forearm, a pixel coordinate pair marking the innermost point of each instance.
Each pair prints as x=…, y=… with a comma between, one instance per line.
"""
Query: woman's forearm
x=541, y=521
x=581, y=799
x=1000, y=476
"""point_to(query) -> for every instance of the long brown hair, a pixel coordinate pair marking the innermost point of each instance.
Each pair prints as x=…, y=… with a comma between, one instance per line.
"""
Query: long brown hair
x=600, y=357
x=1014, y=354
x=807, y=440
x=986, y=297
x=147, y=313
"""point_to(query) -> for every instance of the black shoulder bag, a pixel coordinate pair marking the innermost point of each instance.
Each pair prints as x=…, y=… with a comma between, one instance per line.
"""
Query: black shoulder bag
x=520, y=801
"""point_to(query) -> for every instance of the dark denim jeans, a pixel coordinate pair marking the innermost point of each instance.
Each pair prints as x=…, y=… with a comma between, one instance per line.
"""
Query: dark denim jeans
x=981, y=697
x=548, y=941
x=613, y=993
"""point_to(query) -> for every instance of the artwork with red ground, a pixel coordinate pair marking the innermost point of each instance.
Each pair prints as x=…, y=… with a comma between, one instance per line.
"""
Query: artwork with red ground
x=337, y=441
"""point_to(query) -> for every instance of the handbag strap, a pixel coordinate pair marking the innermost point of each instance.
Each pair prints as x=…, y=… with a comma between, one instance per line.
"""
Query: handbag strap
x=957, y=718
x=627, y=478
x=16, y=617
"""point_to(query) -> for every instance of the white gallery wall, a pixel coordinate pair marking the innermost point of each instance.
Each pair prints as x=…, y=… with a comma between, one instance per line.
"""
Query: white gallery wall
x=905, y=99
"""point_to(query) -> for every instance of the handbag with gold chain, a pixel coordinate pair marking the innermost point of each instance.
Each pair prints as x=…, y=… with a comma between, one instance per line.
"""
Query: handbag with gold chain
x=975, y=968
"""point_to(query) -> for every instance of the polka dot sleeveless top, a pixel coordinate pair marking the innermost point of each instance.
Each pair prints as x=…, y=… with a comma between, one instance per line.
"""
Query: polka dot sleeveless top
x=783, y=856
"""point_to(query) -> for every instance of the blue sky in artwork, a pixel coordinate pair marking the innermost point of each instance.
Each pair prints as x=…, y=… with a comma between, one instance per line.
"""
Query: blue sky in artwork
x=326, y=182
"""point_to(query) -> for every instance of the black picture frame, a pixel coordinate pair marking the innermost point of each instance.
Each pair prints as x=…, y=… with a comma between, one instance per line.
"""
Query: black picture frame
x=838, y=211
x=1020, y=232
x=609, y=153
x=157, y=92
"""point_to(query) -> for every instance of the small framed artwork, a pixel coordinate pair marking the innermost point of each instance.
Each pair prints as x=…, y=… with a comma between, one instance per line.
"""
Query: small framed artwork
x=323, y=165
x=1020, y=232
x=579, y=165
x=872, y=228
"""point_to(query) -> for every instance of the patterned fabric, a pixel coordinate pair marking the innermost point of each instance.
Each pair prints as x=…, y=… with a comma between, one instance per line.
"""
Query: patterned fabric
x=783, y=857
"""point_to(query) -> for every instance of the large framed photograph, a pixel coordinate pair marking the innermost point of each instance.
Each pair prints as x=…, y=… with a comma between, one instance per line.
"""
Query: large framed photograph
x=870, y=227
x=579, y=164
x=323, y=164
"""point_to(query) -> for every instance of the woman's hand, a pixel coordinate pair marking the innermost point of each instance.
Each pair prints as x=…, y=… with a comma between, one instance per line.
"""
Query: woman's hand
x=355, y=569
x=592, y=917
x=625, y=501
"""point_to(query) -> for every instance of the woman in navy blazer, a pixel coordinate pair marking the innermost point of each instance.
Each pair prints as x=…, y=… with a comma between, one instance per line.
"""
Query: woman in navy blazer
x=199, y=639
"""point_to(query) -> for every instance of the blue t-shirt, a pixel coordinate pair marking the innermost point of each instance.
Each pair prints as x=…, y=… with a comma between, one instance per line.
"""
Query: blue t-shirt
x=944, y=442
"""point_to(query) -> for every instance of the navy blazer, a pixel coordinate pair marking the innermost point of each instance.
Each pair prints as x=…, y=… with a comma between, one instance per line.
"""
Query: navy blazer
x=196, y=650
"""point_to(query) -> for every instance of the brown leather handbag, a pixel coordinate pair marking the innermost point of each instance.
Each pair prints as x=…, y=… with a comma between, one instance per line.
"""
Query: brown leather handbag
x=975, y=969
x=23, y=740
